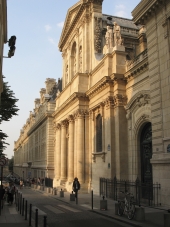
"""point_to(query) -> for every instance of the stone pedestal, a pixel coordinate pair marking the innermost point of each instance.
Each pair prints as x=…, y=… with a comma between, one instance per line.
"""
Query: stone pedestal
x=167, y=220
x=116, y=208
x=103, y=204
x=139, y=214
x=61, y=193
x=72, y=197
x=54, y=191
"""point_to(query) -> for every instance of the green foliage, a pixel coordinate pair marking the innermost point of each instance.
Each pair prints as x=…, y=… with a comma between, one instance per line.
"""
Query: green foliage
x=7, y=106
x=8, y=109
x=3, y=144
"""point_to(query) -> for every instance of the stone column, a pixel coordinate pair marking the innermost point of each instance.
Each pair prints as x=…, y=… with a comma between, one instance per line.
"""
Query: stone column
x=58, y=152
x=63, y=151
x=80, y=146
x=71, y=149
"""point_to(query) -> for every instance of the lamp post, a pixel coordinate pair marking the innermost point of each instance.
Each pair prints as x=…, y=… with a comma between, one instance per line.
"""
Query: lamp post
x=23, y=175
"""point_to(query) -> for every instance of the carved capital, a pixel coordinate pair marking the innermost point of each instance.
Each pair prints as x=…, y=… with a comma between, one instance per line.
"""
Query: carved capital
x=109, y=102
x=120, y=100
x=64, y=123
x=71, y=118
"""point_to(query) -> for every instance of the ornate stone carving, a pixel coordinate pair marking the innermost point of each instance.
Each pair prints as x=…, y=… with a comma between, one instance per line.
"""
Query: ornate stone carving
x=109, y=37
x=98, y=36
x=120, y=100
x=109, y=102
x=117, y=35
x=142, y=99
x=71, y=118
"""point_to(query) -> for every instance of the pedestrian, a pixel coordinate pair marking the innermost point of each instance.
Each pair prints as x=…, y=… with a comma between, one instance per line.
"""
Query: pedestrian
x=38, y=181
x=76, y=186
x=2, y=195
x=21, y=184
x=11, y=191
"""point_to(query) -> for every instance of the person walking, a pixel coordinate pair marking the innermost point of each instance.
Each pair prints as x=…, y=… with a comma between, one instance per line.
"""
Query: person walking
x=21, y=184
x=76, y=186
x=2, y=195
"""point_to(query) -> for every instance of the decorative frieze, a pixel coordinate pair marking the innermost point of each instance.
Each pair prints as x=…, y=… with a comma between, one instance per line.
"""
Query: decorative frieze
x=98, y=35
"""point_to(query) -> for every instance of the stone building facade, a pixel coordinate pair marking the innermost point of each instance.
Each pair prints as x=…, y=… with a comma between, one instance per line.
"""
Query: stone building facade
x=3, y=37
x=34, y=149
x=112, y=116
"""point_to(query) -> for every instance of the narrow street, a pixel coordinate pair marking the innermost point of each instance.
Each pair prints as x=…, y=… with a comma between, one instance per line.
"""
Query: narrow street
x=60, y=213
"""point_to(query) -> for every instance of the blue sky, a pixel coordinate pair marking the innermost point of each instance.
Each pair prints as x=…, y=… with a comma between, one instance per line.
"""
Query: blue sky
x=37, y=24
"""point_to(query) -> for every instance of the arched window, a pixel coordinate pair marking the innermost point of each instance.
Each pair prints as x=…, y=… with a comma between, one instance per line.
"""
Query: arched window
x=73, y=60
x=66, y=75
x=99, y=133
x=80, y=59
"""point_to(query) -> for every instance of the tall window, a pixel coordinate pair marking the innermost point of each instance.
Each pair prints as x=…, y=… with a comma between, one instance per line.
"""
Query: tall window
x=99, y=133
x=73, y=60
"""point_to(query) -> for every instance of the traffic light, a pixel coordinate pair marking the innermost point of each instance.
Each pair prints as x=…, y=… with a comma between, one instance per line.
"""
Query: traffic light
x=11, y=44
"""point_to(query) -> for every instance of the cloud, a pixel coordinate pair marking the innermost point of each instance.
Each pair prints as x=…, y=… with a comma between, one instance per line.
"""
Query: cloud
x=121, y=10
x=52, y=41
x=47, y=27
x=61, y=24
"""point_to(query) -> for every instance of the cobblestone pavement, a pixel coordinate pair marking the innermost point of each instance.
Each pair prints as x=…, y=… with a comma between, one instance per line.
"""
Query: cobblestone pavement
x=60, y=213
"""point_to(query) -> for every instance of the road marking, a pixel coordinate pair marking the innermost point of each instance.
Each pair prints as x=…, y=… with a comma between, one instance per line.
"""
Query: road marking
x=12, y=210
x=53, y=209
x=40, y=212
x=88, y=206
x=69, y=208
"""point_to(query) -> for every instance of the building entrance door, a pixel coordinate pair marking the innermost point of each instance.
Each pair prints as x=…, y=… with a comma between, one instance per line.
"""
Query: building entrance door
x=146, y=154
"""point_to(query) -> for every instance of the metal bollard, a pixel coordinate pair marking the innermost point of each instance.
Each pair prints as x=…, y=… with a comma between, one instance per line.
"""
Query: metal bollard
x=45, y=221
x=92, y=199
x=30, y=214
x=23, y=207
x=26, y=210
x=36, y=217
x=20, y=203
x=0, y=204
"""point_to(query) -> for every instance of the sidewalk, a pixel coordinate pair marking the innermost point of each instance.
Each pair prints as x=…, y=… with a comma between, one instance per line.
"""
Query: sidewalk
x=153, y=217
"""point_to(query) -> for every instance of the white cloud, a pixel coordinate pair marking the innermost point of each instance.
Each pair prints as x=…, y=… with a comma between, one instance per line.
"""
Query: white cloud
x=121, y=10
x=61, y=24
x=47, y=27
x=121, y=6
x=52, y=41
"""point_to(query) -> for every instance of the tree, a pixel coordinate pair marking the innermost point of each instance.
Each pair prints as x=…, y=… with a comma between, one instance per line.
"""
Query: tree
x=8, y=109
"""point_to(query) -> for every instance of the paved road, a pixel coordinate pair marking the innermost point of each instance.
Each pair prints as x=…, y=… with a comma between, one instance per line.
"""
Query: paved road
x=63, y=214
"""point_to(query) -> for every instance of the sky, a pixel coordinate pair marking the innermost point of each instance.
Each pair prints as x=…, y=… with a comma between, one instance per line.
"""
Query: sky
x=37, y=24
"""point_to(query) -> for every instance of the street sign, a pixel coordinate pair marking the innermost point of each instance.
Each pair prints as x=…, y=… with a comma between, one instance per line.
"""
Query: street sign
x=2, y=161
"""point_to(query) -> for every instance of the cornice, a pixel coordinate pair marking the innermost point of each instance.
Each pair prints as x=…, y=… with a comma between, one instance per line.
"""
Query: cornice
x=65, y=35
x=137, y=65
x=99, y=86
x=38, y=123
x=73, y=98
x=144, y=10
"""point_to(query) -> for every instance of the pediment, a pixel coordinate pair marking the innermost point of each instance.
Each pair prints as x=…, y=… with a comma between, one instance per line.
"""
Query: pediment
x=71, y=18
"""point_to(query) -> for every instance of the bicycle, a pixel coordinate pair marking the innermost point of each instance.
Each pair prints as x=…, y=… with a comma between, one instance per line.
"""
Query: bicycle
x=127, y=206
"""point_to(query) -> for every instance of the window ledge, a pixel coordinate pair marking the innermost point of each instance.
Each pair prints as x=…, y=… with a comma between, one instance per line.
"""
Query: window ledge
x=98, y=154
